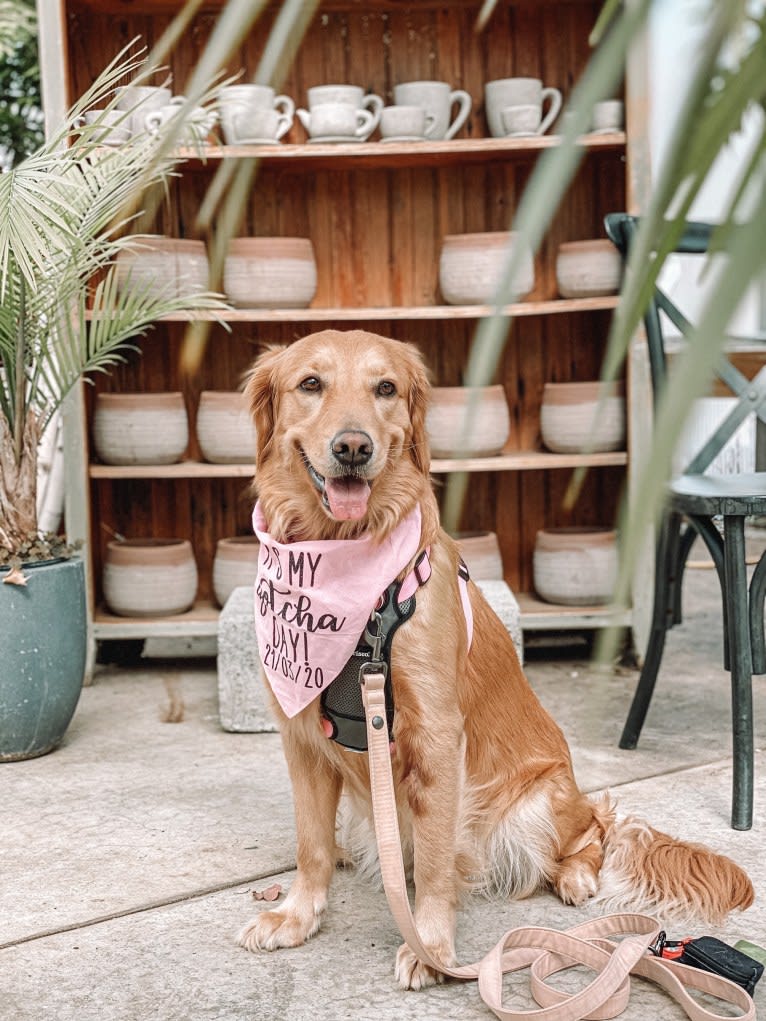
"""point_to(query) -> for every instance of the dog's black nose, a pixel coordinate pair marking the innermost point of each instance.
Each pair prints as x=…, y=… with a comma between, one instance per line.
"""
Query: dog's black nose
x=352, y=447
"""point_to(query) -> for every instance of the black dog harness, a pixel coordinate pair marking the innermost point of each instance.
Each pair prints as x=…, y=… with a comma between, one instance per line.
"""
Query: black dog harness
x=342, y=708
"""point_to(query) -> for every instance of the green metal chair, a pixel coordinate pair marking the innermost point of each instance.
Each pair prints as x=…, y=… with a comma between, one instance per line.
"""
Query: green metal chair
x=714, y=507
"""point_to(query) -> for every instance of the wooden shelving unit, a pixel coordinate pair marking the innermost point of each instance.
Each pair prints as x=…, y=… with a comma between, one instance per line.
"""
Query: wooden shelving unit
x=376, y=213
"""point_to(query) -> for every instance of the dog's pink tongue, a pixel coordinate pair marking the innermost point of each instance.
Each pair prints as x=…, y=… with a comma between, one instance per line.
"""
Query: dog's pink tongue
x=347, y=497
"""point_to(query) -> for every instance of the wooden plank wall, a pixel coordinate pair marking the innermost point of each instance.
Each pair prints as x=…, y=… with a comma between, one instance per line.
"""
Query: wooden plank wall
x=377, y=235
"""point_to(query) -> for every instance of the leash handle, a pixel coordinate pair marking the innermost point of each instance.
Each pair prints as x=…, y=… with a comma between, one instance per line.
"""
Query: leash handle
x=544, y=951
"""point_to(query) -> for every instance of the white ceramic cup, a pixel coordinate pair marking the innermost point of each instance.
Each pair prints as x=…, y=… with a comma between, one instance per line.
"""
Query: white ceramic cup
x=337, y=121
x=505, y=92
x=255, y=124
x=114, y=126
x=437, y=99
x=237, y=105
x=198, y=124
x=523, y=119
x=607, y=115
x=140, y=100
x=405, y=123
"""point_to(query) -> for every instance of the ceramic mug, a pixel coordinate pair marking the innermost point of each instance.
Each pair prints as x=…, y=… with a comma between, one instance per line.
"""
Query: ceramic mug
x=405, y=123
x=353, y=95
x=437, y=99
x=337, y=122
x=253, y=125
x=607, y=116
x=113, y=126
x=505, y=92
x=237, y=103
x=140, y=100
x=198, y=122
x=523, y=119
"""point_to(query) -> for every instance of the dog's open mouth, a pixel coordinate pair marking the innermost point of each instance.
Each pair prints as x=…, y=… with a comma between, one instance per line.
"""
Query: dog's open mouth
x=345, y=496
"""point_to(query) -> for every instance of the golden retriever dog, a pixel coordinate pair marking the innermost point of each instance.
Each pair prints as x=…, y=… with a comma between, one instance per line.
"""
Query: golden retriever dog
x=484, y=784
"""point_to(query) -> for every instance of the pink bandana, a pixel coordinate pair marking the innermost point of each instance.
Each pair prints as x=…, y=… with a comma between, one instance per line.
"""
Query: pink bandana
x=313, y=599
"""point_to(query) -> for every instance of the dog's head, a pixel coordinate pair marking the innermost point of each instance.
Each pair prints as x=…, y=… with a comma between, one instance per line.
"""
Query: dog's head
x=340, y=419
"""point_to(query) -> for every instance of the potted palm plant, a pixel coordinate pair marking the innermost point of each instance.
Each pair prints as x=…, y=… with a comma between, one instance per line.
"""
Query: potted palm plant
x=66, y=213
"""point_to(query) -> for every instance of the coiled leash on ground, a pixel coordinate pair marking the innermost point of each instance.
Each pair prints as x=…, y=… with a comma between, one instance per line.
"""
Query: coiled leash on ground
x=543, y=951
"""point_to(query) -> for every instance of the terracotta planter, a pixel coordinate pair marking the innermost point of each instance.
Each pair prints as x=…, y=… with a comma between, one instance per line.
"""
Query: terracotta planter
x=467, y=421
x=235, y=564
x=225, y=429
x=585, y=269
x=140, y=428
x=149, y=577
x=270, y=273
x=167, y=267
x=470, y=267
x=573, y=420
x=575, y=566
x=481, y=554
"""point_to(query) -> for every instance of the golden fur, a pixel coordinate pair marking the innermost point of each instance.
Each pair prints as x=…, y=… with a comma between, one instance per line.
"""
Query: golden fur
x=483, y=775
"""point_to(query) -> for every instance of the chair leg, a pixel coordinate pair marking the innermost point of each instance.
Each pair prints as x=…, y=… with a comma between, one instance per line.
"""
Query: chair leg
x=666, y=602
x=741, y=666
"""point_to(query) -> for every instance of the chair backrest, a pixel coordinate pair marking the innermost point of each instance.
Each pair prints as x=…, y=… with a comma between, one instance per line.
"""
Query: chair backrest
x=622, y=228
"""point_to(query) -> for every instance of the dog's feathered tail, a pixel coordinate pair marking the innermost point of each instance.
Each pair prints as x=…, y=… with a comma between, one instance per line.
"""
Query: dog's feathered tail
x=648, y=871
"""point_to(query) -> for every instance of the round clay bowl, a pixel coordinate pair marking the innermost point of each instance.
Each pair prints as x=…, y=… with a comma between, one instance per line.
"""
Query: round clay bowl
x=464, y=421
x=470, y=266
x=235, y=564
x=572, y=419
x=225, y=429
x=149, y=577
x=140, y=428
x=270, y=272
x=585, y=269
x=165, y=267
x=481, y=555
x=575, y=566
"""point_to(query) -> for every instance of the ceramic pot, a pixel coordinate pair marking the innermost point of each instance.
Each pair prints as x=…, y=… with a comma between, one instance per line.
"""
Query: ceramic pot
x=572, y=419
x=140, y=428
x=481, y=554
x=585, y=269
x=44, y=626
x=575, y=566
x=470, y=266
x=467, y=421
x=149, y=577
x=270, y=273
x=235, y=564
x=225, y=429
x=164, y=267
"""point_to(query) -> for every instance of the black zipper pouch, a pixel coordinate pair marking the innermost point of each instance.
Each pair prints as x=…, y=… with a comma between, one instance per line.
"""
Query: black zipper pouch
x=711, y=954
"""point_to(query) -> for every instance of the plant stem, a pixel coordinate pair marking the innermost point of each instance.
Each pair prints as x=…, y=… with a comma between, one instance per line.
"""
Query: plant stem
x=19, y=411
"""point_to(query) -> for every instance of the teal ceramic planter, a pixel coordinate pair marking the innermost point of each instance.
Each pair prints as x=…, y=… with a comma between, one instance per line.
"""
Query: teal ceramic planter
x=43, y=634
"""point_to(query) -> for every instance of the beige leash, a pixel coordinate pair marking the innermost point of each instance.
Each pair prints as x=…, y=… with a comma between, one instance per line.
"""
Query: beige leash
x=543, y=951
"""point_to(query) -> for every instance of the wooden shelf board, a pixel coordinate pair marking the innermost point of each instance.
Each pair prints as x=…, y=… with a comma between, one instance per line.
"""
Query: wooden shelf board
x=202, y=620
x=526, y=460
x=537, y=615
x=382, y=155
x=555, y=306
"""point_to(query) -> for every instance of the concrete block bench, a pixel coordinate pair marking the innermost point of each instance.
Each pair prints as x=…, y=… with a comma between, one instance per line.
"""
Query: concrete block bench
x=243, y=699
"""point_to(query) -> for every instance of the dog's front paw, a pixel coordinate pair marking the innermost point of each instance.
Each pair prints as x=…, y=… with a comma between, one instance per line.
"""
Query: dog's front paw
x=274, y=929
x=411, y=973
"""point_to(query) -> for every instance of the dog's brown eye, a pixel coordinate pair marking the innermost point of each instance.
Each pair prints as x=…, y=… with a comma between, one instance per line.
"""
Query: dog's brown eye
x=386, y=389
x=310, y=385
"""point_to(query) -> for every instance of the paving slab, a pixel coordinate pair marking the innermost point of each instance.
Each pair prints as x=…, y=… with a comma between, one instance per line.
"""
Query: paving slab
x=132, y=809
x=180, y=962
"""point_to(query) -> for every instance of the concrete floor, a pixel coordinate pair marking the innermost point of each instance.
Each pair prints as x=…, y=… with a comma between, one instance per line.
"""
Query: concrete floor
x=130, y=855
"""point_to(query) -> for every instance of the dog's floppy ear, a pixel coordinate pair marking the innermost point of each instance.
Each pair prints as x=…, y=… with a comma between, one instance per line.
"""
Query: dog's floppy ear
x=419, y=393
x=261, y=396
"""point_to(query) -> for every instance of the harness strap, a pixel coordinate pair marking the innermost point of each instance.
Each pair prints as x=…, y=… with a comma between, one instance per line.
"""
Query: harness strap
x=544, y=951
